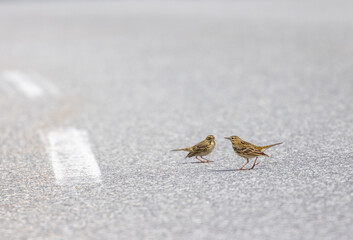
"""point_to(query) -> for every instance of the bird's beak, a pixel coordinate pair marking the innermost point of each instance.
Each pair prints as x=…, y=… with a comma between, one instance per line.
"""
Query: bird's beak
x=227, y=138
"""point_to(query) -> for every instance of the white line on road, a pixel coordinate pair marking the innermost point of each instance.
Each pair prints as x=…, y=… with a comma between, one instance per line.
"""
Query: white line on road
x=72, y=157
x=23, y=83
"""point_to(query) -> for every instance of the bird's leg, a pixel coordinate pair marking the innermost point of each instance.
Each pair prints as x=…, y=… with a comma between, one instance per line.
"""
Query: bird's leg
x=254, y=164
x=199, y=159
x=206, y=159
x=242, y=168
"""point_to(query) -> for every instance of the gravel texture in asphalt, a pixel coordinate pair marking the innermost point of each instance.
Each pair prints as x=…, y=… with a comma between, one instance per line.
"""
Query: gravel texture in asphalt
x=144, y=78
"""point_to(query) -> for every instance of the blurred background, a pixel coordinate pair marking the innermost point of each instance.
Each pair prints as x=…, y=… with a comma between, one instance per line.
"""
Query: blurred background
x=143, y=77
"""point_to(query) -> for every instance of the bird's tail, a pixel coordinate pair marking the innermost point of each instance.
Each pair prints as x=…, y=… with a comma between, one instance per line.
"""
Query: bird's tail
x=268, y=146
x=182, y=149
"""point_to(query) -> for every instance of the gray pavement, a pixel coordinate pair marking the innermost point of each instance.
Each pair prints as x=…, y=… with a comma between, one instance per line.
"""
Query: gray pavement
x=144, y=78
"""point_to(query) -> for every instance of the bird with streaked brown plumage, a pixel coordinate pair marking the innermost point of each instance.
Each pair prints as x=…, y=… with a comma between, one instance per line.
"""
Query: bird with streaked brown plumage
x=248, y=150
x=201, y=149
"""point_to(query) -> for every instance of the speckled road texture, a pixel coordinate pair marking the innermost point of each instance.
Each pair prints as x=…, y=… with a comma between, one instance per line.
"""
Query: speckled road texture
x=144, y=78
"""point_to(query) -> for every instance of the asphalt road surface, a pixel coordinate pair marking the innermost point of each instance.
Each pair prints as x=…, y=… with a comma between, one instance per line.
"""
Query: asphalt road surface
x=93, y=97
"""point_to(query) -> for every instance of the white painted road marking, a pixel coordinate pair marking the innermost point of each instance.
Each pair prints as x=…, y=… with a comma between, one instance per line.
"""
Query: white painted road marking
x=72, y=157
x=23, y=83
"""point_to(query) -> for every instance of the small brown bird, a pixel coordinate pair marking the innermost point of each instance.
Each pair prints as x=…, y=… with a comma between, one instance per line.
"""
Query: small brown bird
x=201, y=149
x=248, y=150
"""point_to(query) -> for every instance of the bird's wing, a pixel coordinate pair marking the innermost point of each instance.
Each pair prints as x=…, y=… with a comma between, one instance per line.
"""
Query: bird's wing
x=250, y=150
x=200, y=147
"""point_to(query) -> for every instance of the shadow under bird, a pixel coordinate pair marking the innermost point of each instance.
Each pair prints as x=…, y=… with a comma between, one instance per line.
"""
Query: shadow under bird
x=248, y=150
x=201, y=149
